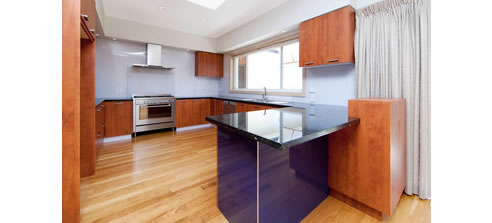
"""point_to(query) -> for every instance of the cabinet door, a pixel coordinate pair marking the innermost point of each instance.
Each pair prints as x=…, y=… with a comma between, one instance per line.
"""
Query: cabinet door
x=219, y=107
x=241, y=107
x=309, y=34
x=100, y=121
x=204, y=110
x=99, y=126
x=337, y=39
x=209, y=64
x=183, y=113
x=219, y=65
x=118, y=118
x=88, y=18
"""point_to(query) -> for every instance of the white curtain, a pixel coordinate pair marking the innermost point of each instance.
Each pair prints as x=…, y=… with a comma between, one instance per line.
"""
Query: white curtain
x=392, y=51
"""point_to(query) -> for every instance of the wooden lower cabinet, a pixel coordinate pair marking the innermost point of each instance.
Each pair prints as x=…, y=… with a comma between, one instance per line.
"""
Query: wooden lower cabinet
x=217, y=107
x=241, y=107
x=191, y=112
x=99, y=126
x=204, y=110
x=118, y=118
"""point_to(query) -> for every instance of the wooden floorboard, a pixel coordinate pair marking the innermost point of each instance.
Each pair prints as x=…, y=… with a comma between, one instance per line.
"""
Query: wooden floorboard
x=167, y=177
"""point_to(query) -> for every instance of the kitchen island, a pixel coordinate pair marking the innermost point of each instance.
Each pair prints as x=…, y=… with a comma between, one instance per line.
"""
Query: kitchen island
x=276, y=165
x=273, y=164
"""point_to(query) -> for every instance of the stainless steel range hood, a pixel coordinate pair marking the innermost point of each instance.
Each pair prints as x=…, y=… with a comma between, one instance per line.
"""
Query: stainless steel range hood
x=153, y=58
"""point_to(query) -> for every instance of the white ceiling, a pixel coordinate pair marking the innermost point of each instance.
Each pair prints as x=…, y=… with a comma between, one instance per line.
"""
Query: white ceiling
x=184, y=16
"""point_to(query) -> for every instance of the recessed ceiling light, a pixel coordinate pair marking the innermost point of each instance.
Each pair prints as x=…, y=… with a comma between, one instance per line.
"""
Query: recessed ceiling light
x=114, y=38
x=284, y=31
x=211, y=4
x=203, y=19
x=161, y=7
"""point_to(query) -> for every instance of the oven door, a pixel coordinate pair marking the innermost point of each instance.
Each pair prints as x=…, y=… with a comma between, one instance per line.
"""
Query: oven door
x=153, y=114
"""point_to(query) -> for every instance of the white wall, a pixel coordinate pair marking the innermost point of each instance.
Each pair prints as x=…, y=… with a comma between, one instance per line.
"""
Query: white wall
x=334, y=85
x=115, y=77
x=129, y=30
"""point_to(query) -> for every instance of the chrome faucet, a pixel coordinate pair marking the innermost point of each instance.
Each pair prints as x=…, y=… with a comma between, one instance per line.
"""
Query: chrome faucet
x=265, y=94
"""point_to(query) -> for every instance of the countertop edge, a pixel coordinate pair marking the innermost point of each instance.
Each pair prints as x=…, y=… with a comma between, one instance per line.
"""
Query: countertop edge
x=99, y=101
x=279, y=146
x=288, y=104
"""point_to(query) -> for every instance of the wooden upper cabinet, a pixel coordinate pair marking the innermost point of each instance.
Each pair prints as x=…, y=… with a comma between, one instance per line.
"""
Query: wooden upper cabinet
x=88, y=19
x=328, y=39
x=118, y=118
x=209, y=64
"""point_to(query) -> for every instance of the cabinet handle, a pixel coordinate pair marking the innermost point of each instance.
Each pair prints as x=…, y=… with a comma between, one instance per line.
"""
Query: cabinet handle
x=118, y=103
x=309, y=63
x=86, y=17
x=92, y=31
x=334, y=60
x=98, y=110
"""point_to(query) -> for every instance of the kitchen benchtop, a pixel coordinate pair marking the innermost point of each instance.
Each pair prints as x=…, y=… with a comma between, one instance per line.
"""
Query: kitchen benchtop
x=237, y=99
x=101, y=100
x=283, y=128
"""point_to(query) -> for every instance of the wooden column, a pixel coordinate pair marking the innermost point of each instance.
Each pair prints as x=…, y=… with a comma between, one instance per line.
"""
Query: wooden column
x=367, y=161
x=70, y=110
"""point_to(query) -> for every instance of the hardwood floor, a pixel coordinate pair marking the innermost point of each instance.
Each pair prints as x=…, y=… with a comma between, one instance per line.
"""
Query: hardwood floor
x=163, y=177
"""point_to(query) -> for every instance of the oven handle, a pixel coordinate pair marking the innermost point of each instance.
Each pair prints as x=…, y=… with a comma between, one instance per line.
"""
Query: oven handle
x=156, y=106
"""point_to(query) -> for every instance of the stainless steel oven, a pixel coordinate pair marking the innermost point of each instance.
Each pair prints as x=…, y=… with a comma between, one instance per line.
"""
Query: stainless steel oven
x=153, y=112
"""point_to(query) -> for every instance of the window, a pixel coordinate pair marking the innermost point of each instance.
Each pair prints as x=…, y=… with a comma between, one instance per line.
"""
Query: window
x=275, y=67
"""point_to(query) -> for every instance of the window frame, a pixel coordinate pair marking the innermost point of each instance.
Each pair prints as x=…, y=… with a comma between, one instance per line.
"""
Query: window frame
x=279, y=92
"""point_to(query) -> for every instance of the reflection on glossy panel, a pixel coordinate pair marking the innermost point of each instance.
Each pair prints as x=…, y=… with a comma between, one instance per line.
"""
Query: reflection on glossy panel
x=286, y=127
x=292, y=182
x=236, y=167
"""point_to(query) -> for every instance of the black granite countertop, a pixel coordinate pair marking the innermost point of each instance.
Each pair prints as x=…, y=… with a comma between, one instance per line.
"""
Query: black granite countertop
x=283, y=128
x=101, y=100
x=243, y=100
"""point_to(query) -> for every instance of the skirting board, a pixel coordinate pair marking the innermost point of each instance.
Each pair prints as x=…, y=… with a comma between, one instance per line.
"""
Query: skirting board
x=117, y=138
x=193, y=127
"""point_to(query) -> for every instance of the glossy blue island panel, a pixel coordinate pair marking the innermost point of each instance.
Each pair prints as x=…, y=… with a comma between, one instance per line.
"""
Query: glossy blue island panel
x=236, y=176
x=292, y=182
x=283, y=185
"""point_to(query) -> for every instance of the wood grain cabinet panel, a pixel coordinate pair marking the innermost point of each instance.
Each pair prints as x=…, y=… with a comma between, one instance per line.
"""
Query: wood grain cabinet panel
x=327, y=39
x=99, y=126
x=367, y=161
x=118, y=116
x=219, y=107
x=183, y=113
x=203, y=111
x=309, y=37
x=191, y=112
x=209, y=64
x=88, y=19
x=88, y=150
